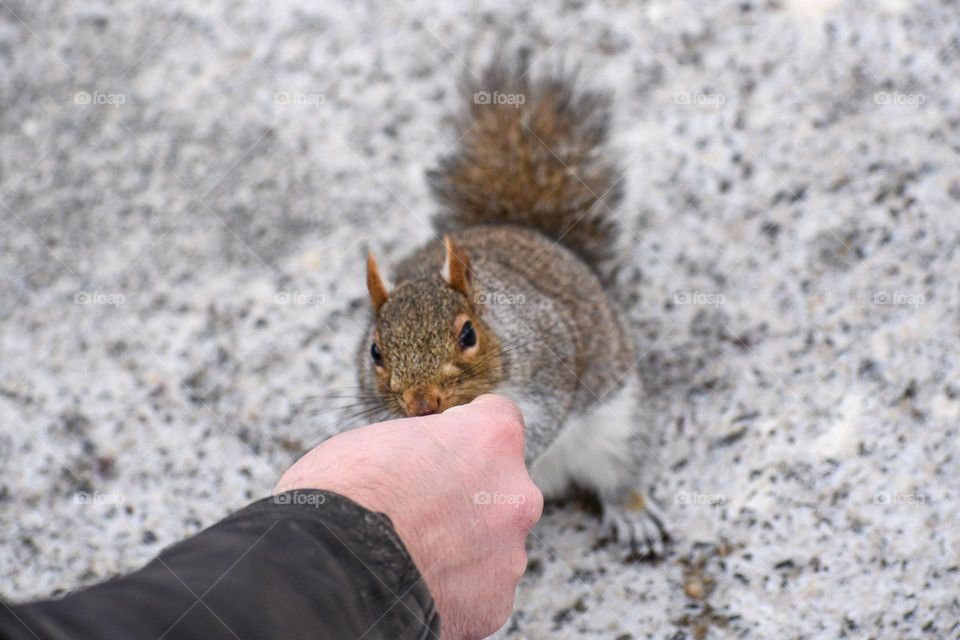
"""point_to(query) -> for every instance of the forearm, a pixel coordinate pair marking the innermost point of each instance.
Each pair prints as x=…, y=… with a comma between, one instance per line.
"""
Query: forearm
x=318, y=566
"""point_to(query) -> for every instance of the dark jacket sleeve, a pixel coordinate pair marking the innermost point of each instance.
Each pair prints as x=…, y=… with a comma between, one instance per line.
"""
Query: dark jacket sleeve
x=304, y=564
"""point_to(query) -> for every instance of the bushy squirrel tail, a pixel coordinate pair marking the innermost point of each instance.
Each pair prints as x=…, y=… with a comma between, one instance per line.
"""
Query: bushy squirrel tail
x=531, y=155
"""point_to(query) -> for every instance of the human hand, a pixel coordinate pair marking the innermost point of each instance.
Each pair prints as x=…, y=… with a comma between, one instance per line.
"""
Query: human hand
x=458, y=493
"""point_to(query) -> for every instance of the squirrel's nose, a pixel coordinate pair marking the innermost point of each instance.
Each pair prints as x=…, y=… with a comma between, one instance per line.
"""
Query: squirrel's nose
x=422, y=402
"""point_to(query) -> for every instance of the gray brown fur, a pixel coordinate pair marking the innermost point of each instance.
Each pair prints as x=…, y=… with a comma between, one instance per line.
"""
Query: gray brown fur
x=510, y=301
x=521, y=197
x=536, y=164
x=569, y=344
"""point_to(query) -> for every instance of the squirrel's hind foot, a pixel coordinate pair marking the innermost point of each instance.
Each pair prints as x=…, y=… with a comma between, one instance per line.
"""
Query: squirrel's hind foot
x=636, y=523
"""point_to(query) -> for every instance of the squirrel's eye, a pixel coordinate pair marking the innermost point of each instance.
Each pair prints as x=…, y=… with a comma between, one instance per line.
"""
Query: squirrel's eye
x=376, y=355
x=468, y=336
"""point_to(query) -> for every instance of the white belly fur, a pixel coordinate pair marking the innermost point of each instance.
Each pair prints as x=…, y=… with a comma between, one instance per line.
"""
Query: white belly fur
x=593, y=449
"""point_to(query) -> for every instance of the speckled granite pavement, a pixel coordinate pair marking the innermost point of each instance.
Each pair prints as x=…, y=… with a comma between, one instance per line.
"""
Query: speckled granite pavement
x=186, y=189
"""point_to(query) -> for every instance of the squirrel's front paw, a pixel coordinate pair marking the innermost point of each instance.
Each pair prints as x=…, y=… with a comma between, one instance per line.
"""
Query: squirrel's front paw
x=635, y=522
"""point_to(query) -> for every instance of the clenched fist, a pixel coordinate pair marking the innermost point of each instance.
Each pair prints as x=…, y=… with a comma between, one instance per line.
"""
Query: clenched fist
x=457, y=490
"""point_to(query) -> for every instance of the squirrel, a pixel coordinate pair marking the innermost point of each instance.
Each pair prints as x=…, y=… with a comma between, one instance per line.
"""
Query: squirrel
x=511, y=300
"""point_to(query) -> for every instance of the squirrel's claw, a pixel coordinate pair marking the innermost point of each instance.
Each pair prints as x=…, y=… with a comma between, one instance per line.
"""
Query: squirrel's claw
x=637, y=524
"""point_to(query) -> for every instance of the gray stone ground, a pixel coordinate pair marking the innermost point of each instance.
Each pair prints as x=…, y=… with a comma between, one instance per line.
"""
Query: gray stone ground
x=204, y=175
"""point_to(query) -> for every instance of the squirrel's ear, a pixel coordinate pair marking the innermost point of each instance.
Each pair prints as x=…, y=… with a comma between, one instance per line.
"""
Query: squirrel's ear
x=456, y=269
x=378, y=292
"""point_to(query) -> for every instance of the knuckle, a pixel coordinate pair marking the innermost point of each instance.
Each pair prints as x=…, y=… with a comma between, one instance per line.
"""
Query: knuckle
x=507, y=425
x=519, y=563
x=533, y=501
x=502, y=409
x=499, y=420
